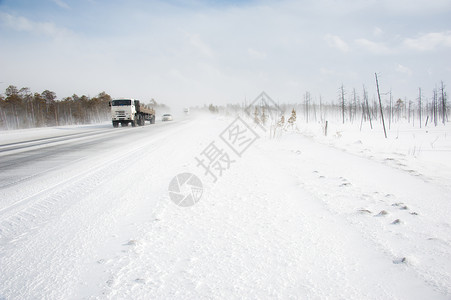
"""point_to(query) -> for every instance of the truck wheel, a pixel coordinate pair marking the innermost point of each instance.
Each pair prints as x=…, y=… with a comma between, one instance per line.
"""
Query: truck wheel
x=115, y=124
x=134, y=123
x=152, y=120
x=124, y=124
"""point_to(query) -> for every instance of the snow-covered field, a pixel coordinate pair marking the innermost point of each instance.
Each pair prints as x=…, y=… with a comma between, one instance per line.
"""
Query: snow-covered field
x=300, y=216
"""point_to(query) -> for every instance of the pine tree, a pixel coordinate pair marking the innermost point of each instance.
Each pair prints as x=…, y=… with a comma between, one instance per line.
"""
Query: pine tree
x=256, y=118
x=292, y=118
x=281, y=122
x=264, y=117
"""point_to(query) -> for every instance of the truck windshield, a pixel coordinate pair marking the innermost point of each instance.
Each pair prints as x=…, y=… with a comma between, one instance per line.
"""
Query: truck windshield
x=121, y=102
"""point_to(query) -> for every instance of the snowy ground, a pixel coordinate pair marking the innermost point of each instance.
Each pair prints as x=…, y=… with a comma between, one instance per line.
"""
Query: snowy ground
x=348, y=216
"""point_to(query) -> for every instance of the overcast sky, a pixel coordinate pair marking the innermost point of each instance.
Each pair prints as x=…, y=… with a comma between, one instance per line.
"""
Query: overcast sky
x=196, y=52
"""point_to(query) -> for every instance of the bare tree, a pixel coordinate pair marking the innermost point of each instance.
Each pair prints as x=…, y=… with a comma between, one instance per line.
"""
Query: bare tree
x=256, y=118
x=264, y=117
x=307, y=105
x=419, y=104
x=390, y=111
x=380, y=105
x=443, y=102
x=434, y=106
x=365, y=98
x=342, y=102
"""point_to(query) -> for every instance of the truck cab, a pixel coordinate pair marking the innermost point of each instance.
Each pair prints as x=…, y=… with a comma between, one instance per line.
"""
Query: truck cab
x=125, y=111
x=122, y=111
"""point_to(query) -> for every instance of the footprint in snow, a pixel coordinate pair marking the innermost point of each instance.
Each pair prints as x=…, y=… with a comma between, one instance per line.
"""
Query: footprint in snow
x=396, y=222
x=382, y=213
x=110, y=282
x=131, y=243
x=401, y=260
x=399, y=154
x=364, y=211
x=400, y=205
x=438, y=240
x=140, y=280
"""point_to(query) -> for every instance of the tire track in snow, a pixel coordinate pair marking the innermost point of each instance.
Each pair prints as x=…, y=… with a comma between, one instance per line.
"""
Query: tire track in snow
x=33, y=211
x=65, y=258
x=26, y=157
x=9, y=148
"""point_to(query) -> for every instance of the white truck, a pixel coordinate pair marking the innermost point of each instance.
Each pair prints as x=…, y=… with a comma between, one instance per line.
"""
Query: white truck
x=125, y=111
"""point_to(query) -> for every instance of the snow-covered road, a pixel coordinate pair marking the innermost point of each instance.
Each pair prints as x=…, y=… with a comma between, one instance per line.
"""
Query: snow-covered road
x=88, y=215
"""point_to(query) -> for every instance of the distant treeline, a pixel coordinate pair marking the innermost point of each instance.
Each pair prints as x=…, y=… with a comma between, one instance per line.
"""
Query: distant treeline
x=352, y=107
x=20, y=108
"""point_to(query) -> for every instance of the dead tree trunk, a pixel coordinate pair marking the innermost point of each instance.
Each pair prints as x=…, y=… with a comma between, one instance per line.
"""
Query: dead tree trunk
x=380, y=105
x=390, y=111
x=365, y=97
x=343, y=103
x=419, y=104
x=442, y=90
